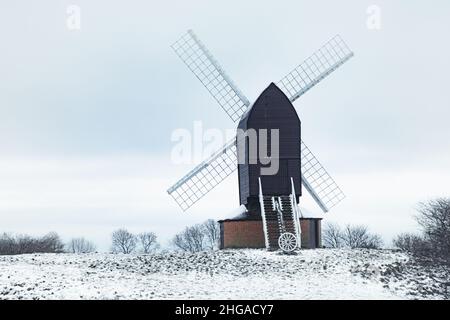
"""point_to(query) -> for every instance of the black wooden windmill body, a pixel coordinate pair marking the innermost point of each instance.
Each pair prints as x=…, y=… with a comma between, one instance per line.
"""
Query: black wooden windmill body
x=270, y=200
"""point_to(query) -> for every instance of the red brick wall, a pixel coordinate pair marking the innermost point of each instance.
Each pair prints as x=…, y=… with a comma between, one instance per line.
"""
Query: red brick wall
x=319, y=230
x=305, y=225
x=243, y=234
x=249, y=234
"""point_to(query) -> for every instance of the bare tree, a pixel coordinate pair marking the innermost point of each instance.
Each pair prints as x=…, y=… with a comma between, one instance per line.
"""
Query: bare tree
x=191, y=239
x=412, y=243
x=147, y=241
x=123, y=241
x=374, y=241
x=212, y=233
x=354, y=236
x=80, y=245
x=332, y=236
x=51, y=242
x=20, y=244
x=7, y=244
x=359, y=237
x=434, y=218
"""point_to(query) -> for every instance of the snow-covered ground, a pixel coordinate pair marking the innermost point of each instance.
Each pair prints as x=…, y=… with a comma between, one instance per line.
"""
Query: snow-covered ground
x=228, y=274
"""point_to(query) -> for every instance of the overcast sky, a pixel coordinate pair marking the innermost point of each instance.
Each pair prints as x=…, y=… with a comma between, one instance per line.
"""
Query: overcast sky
x=86, y=115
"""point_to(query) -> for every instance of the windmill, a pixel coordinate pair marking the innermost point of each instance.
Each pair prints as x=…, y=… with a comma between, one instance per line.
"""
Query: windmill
x=270, y=202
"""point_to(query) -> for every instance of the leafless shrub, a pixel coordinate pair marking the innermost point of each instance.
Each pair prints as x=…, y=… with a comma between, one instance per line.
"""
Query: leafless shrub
x=434, y=218
x=8, y=244
x=80, y=245
x=351, y=237
x=199, y=237
x=412, y=243
x=332, y=236
x=123, y=241
x=25, y=244
x=212, y=233
x=20, y=244
x=354, y=236
x=359, y=237
x=434, y=242
x=375, y=241
x=147, y=241
x=191, y=239
x=51, y=242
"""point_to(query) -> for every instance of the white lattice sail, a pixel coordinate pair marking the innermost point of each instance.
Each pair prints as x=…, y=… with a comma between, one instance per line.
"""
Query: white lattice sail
x=205, y=177
x=206, y=68
x=319, y=65
x=318, y=182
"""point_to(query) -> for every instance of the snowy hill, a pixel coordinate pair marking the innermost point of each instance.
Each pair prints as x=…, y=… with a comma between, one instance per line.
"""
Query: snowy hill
x=228, y=274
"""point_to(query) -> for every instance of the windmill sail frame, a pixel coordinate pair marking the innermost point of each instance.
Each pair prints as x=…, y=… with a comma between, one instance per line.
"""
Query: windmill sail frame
x=206, y=68
x=322, y=187
x=315, y=68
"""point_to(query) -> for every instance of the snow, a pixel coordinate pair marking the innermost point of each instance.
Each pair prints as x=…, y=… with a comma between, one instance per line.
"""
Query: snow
x=306, y=213
x=226, y=274
x=236, y=212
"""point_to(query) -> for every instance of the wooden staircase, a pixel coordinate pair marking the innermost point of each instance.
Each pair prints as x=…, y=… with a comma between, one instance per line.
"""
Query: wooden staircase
x=276, y=223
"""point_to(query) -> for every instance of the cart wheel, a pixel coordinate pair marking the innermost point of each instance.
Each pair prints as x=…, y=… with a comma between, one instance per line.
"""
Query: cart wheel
x=287, y=242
